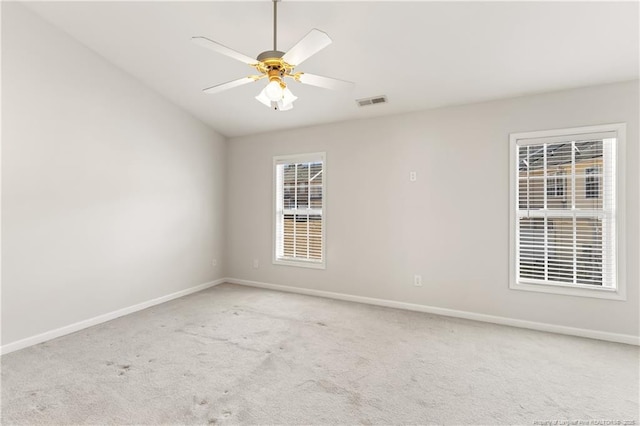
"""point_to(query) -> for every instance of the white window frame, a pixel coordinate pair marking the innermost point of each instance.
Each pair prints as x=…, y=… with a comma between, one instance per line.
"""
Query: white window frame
x=617, y=293
x=278, y=209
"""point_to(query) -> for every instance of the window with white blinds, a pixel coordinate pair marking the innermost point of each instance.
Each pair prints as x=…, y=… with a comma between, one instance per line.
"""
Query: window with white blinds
x=299, y=205
x=565, y=210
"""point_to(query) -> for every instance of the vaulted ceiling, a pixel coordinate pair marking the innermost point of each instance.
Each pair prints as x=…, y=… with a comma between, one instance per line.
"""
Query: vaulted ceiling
x=419, y=54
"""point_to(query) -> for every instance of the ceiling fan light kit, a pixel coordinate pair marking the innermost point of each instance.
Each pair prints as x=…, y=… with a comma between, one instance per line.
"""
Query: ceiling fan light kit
x=275, y=66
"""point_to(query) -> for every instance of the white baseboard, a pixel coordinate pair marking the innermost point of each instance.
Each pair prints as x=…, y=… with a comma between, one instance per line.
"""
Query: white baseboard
x=72, y=328
x=540, y=326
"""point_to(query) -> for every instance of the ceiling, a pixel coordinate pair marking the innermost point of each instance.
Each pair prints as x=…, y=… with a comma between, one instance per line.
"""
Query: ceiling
x=419, y=54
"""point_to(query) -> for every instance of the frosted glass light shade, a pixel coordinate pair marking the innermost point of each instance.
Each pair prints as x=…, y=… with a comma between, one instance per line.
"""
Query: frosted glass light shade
x=284, y=107
x=263, y=99
x=284, y=103
x=274, y=91
x=288, y=97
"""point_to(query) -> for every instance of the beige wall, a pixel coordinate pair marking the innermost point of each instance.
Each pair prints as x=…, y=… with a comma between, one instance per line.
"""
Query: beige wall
x=451, y=226
x=111, y=195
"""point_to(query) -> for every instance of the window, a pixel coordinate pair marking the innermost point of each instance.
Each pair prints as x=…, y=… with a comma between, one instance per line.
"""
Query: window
x=556, y=186
x=592, y=182
x=566, y=214
x=299, y=231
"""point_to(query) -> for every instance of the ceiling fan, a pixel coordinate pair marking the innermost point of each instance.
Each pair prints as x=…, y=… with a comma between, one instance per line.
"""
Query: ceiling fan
x=276, y=66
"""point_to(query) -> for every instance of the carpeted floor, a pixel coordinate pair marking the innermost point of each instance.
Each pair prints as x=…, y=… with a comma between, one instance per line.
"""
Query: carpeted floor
x=239, y=355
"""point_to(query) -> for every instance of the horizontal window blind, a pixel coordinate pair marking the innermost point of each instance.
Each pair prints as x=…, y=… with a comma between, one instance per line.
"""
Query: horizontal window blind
x=299, y=227
x=566, y=211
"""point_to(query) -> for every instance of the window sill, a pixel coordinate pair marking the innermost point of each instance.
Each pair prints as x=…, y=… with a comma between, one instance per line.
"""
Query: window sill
x=599, y=293
x=300, y=263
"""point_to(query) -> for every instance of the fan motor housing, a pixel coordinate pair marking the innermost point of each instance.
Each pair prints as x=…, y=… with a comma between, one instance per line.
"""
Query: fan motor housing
x=271, y=61
x=270, y=54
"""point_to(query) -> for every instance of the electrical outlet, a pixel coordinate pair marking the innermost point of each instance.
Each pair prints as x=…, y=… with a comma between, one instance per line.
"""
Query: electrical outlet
x=413, y=176
x=214, y=262
x=417, y=280
x=256, y=264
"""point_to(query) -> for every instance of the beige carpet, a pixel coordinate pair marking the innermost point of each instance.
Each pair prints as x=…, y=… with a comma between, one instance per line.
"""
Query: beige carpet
x=238, y=355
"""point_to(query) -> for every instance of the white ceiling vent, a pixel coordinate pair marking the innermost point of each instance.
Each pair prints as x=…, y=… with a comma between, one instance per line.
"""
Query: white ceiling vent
x=372, y=101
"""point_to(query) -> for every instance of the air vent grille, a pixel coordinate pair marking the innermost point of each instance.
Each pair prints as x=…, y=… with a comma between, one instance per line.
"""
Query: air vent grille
x=372, y=101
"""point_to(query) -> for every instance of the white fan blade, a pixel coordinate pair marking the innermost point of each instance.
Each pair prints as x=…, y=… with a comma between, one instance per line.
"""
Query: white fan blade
x=228, y=85
x=308, y=46
x=217, y=47
x=324, y=82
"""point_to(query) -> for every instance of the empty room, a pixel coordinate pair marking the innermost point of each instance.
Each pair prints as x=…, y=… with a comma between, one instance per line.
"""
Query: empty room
x=314, y=213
